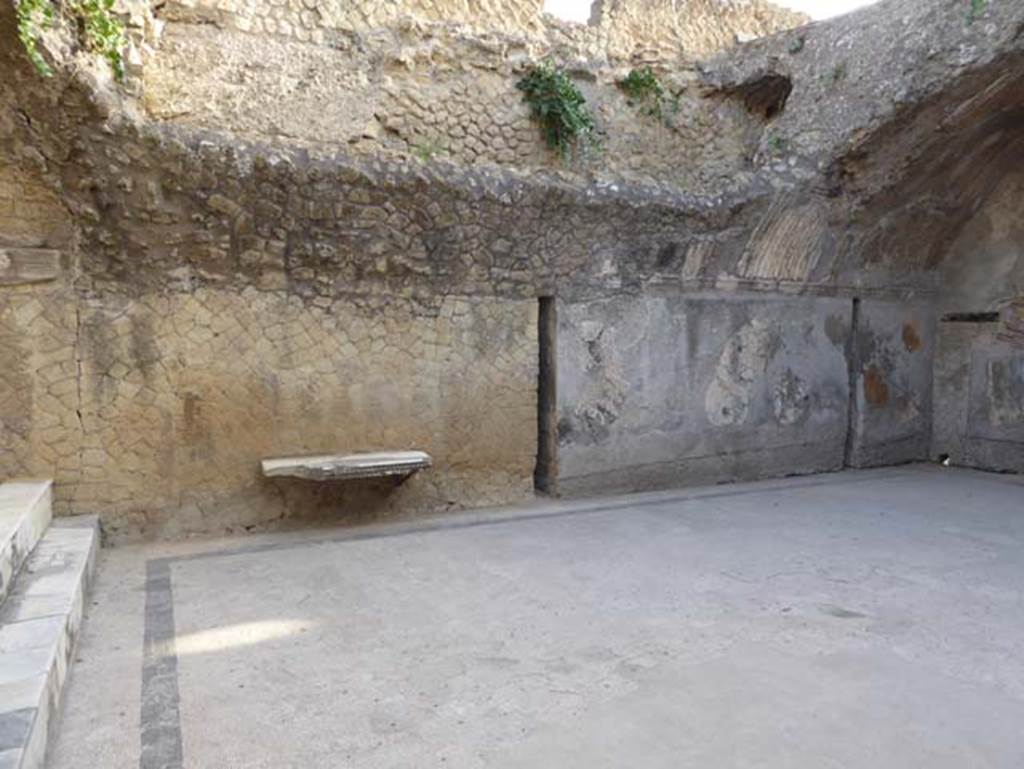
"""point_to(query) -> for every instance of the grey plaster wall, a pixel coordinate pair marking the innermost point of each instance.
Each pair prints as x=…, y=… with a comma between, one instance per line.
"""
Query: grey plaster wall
x=891, y=357
x=669, y=390
x=979, y=398
x=979, y=366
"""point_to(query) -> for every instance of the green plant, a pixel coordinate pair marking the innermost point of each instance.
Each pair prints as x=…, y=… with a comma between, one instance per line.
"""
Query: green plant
x=675, y=102
x=557, y=104
x=976, y=10
x=104, y=32
x=33, y=17
x=427, y=150
x=777, y=144
x=797, y=44
x=99, y=30
x=642, y=86
x=835, y=75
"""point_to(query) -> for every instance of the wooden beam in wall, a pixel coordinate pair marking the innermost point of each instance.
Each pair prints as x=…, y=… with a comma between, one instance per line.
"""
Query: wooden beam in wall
x=19, y=266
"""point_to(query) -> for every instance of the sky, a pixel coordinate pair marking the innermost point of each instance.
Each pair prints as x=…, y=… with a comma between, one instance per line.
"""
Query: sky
x=579, y=10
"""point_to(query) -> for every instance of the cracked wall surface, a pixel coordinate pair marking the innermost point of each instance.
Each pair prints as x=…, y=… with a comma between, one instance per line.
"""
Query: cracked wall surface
x=40, y=428
x=156, y=410
x=698, y=389
x=892, y=353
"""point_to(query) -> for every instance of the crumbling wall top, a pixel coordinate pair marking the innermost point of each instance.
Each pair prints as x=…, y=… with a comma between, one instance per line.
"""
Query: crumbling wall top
x=619, y=29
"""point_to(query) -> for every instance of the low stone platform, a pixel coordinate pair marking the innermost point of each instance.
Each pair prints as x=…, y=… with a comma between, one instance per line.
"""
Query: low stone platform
x=343, y=467
x=39, y=625
x=25, y=512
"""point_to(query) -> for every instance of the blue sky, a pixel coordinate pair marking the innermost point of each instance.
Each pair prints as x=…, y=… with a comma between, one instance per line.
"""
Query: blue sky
x=579, y=10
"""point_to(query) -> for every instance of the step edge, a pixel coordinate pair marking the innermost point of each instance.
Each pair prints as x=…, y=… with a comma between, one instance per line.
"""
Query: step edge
x=46, y=718
x=29, y=528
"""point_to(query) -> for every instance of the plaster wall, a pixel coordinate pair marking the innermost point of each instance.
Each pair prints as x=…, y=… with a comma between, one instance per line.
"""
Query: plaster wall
x=979, y=364
x=979, y=390
x=891, y=356
x=660, y=391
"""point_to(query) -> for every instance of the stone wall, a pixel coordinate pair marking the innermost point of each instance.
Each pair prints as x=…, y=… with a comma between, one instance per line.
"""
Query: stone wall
x=30, y=213
x=261, y=245
x=229, y=303
x=984, y=269
x=152, y=402
x=436, y=80
x=659, y=29
x=620, y=29
x=433, y=95
x=322, y=21
x=156, y=410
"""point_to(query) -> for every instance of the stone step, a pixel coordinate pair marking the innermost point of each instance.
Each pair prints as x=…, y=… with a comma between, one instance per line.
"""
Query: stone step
x=39, y=625
x=25, y=512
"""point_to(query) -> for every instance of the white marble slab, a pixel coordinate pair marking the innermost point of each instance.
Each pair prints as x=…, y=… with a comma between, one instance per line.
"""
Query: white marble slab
x=340, y=467
x=25, y=512
x=39, y=626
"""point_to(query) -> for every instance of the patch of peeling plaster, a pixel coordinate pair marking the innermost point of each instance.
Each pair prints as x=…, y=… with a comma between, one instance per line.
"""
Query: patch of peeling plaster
x=743, y=360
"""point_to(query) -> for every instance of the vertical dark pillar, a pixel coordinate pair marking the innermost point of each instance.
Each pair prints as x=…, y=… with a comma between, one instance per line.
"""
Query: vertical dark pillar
x=545, y=476
x=853, y=365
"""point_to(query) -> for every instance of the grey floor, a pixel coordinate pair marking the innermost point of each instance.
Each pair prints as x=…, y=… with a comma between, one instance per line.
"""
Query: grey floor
x=866, y=619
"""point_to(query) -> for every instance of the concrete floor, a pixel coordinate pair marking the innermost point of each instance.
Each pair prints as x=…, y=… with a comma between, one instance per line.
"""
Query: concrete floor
x=866, y=619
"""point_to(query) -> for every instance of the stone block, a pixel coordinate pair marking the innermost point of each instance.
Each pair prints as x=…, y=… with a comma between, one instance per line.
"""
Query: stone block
x=39, y=626
x=341, y=467
x=25, y=512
